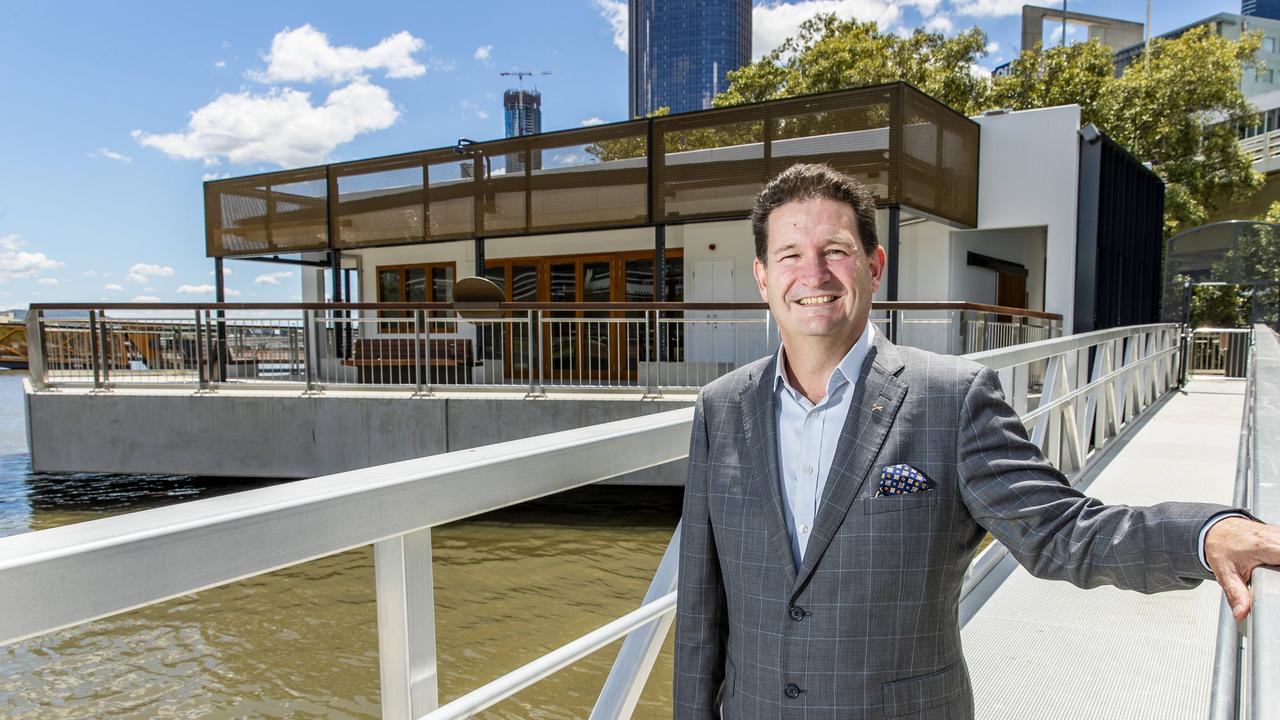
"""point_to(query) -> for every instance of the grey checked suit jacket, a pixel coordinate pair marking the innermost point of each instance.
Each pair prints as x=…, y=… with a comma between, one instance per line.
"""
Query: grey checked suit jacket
x=868, y=627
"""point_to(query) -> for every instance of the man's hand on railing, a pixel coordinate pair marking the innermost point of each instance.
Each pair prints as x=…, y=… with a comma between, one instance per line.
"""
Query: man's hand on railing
x=1233, y=548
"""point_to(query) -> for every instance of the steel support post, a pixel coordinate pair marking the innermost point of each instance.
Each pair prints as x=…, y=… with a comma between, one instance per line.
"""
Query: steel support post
x=94, y=355
x=424, y=381
x=659, y=262
x=105, y=344
x=652, y=356
x=419, y=368
x=893, y=248
x=335, y=264
x=199, y=350
x=406, y=625
x=220, y=297
x=308, y=347
x=35, y=349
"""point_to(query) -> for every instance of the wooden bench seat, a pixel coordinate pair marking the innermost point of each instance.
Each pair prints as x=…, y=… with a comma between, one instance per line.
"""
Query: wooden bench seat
x=394, y=360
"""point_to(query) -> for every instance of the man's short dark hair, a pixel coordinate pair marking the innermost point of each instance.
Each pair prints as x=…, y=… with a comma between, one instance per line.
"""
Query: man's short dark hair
x=809, y=181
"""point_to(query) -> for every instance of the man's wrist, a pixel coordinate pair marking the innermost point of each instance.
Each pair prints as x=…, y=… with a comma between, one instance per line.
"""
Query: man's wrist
x=1208, y=525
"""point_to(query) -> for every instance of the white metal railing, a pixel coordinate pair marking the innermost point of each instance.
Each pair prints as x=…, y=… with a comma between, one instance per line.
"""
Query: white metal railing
x=1260, y=148
x=1095, y=385
x=1246, y=661
x=1219, y=351
x=533, y=348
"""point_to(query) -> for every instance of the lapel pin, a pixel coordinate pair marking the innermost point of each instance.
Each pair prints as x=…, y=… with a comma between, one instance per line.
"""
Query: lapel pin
x=877, y=407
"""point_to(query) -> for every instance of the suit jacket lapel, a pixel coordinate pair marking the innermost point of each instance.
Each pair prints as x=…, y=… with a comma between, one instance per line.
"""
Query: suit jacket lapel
x=874, y=405
x=760, y=422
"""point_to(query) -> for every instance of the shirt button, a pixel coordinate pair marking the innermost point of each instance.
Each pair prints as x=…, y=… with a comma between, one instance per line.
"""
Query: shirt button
x=792, y=691
x=804, y=529
x=808, y=469
x=813, y=413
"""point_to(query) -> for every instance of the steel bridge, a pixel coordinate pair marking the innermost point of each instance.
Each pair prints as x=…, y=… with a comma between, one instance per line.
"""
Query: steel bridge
x=1108, y=410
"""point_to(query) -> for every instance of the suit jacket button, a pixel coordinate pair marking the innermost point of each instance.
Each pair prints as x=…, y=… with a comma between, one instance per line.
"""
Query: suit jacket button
x=792, y=691
x=797, y=613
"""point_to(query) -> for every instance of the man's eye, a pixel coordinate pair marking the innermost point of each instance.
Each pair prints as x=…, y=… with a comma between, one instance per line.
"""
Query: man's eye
x=836, y=251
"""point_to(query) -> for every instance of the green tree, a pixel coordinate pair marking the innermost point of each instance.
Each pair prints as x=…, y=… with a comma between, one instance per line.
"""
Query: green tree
x=832, y=54
x=1176, y=107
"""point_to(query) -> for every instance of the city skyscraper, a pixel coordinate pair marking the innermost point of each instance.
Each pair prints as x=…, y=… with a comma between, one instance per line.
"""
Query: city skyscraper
x=1269, y=9
x=522, y=113
x=681, y=52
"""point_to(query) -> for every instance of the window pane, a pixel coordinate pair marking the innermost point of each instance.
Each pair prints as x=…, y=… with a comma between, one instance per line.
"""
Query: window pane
x=595, y=281
x=389, y=286
x=415, y=285
x=639, y=280
x=442, y=284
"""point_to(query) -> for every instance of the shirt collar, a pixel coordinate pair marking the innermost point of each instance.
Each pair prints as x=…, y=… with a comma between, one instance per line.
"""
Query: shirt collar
x=846, y=371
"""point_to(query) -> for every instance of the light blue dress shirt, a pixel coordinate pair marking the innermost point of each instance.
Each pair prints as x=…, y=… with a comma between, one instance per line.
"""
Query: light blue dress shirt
x=807, y=437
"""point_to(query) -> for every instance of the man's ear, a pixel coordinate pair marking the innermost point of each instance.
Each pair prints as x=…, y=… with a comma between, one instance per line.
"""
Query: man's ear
x=877, y=263
x=758, y=268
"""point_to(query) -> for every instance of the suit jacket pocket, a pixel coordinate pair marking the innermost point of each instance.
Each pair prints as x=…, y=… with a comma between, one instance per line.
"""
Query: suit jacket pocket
x=891, y=503
x=916, y=694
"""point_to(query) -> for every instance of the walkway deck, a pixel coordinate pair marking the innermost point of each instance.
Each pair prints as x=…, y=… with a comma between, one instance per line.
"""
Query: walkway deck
x=1047, y=650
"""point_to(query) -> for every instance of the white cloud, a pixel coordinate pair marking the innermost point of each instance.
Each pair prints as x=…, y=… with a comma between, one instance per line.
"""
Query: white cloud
x=206, y=290
x=280, y=126
x=482, y=54
x=593, y=121
x=112, y=286
x=109, y=154
x=140, y=272
x=18, y=263
x=206, y=177
x=939, y=24
x=48, y=281
x=774, y=22
x=145, y=299
x=306, y=55
x=272, y=278
x=225, y=271
x=988, y=8
x=220, y=64
x=992, y=47
x=472, y=107
x=89, y=273
x=615, y=13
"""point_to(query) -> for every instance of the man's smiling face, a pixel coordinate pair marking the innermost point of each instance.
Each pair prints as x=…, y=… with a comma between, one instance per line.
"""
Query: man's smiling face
x=816, y=278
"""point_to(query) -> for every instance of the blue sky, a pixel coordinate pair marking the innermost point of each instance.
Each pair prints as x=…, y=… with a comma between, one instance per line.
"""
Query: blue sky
x=112, y=114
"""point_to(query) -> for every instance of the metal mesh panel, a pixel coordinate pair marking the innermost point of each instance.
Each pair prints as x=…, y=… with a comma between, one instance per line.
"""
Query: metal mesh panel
x=938, y=165
x=849, y=132
x=906, y=147
x=380, y=203
x=708, y=164
x=451, y=202
x=589, y=178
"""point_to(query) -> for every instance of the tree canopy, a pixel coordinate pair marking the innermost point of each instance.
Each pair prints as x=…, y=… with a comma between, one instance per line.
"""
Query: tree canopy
x=1176, y=107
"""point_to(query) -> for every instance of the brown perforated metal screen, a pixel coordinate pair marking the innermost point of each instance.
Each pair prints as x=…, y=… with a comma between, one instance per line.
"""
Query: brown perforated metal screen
x=908, y=148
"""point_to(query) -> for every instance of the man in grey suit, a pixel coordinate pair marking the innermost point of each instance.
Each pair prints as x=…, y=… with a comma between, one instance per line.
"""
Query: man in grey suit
x=838, y=491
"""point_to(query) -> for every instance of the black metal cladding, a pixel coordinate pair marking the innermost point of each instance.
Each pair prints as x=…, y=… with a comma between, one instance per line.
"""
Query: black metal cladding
x=1119, y=239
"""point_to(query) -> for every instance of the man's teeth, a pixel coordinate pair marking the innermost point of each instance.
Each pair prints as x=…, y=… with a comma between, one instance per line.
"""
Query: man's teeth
x=816, y=300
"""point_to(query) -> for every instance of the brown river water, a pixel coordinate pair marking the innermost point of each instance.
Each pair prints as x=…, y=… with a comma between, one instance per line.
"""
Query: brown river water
x=302, y=642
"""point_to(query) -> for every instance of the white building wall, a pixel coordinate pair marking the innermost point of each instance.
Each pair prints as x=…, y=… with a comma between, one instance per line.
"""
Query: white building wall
x=924, y=252
x=1028, y=176
x=1024, y=246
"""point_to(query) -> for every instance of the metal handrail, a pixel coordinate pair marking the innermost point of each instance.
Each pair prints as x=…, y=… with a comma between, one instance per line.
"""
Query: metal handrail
x=1224, y=689
x=1264, y=620
x=145, y=557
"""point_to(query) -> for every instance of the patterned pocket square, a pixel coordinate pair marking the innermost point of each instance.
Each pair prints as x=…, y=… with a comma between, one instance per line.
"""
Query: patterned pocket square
x=902, y=479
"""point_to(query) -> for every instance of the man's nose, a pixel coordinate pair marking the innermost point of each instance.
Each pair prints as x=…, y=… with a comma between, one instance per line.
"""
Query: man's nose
x=814, y=269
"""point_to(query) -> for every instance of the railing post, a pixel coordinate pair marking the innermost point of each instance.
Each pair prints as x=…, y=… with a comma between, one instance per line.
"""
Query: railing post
x=651, y=355
x=419, y=367
x=105, y=345
x=529, y=350
x=94, y=355
x=198, y=346
x=308, y=347
x=35, y=349
x=426, y=352
x=406, y=625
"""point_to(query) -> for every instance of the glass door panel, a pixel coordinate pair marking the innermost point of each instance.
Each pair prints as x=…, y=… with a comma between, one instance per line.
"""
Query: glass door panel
x=562, y=346
x=596, y=287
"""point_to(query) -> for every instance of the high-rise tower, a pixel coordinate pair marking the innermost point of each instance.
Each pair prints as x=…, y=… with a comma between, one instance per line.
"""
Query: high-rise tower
x=681, y=52
x=522, y=111
x=1269, y=9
